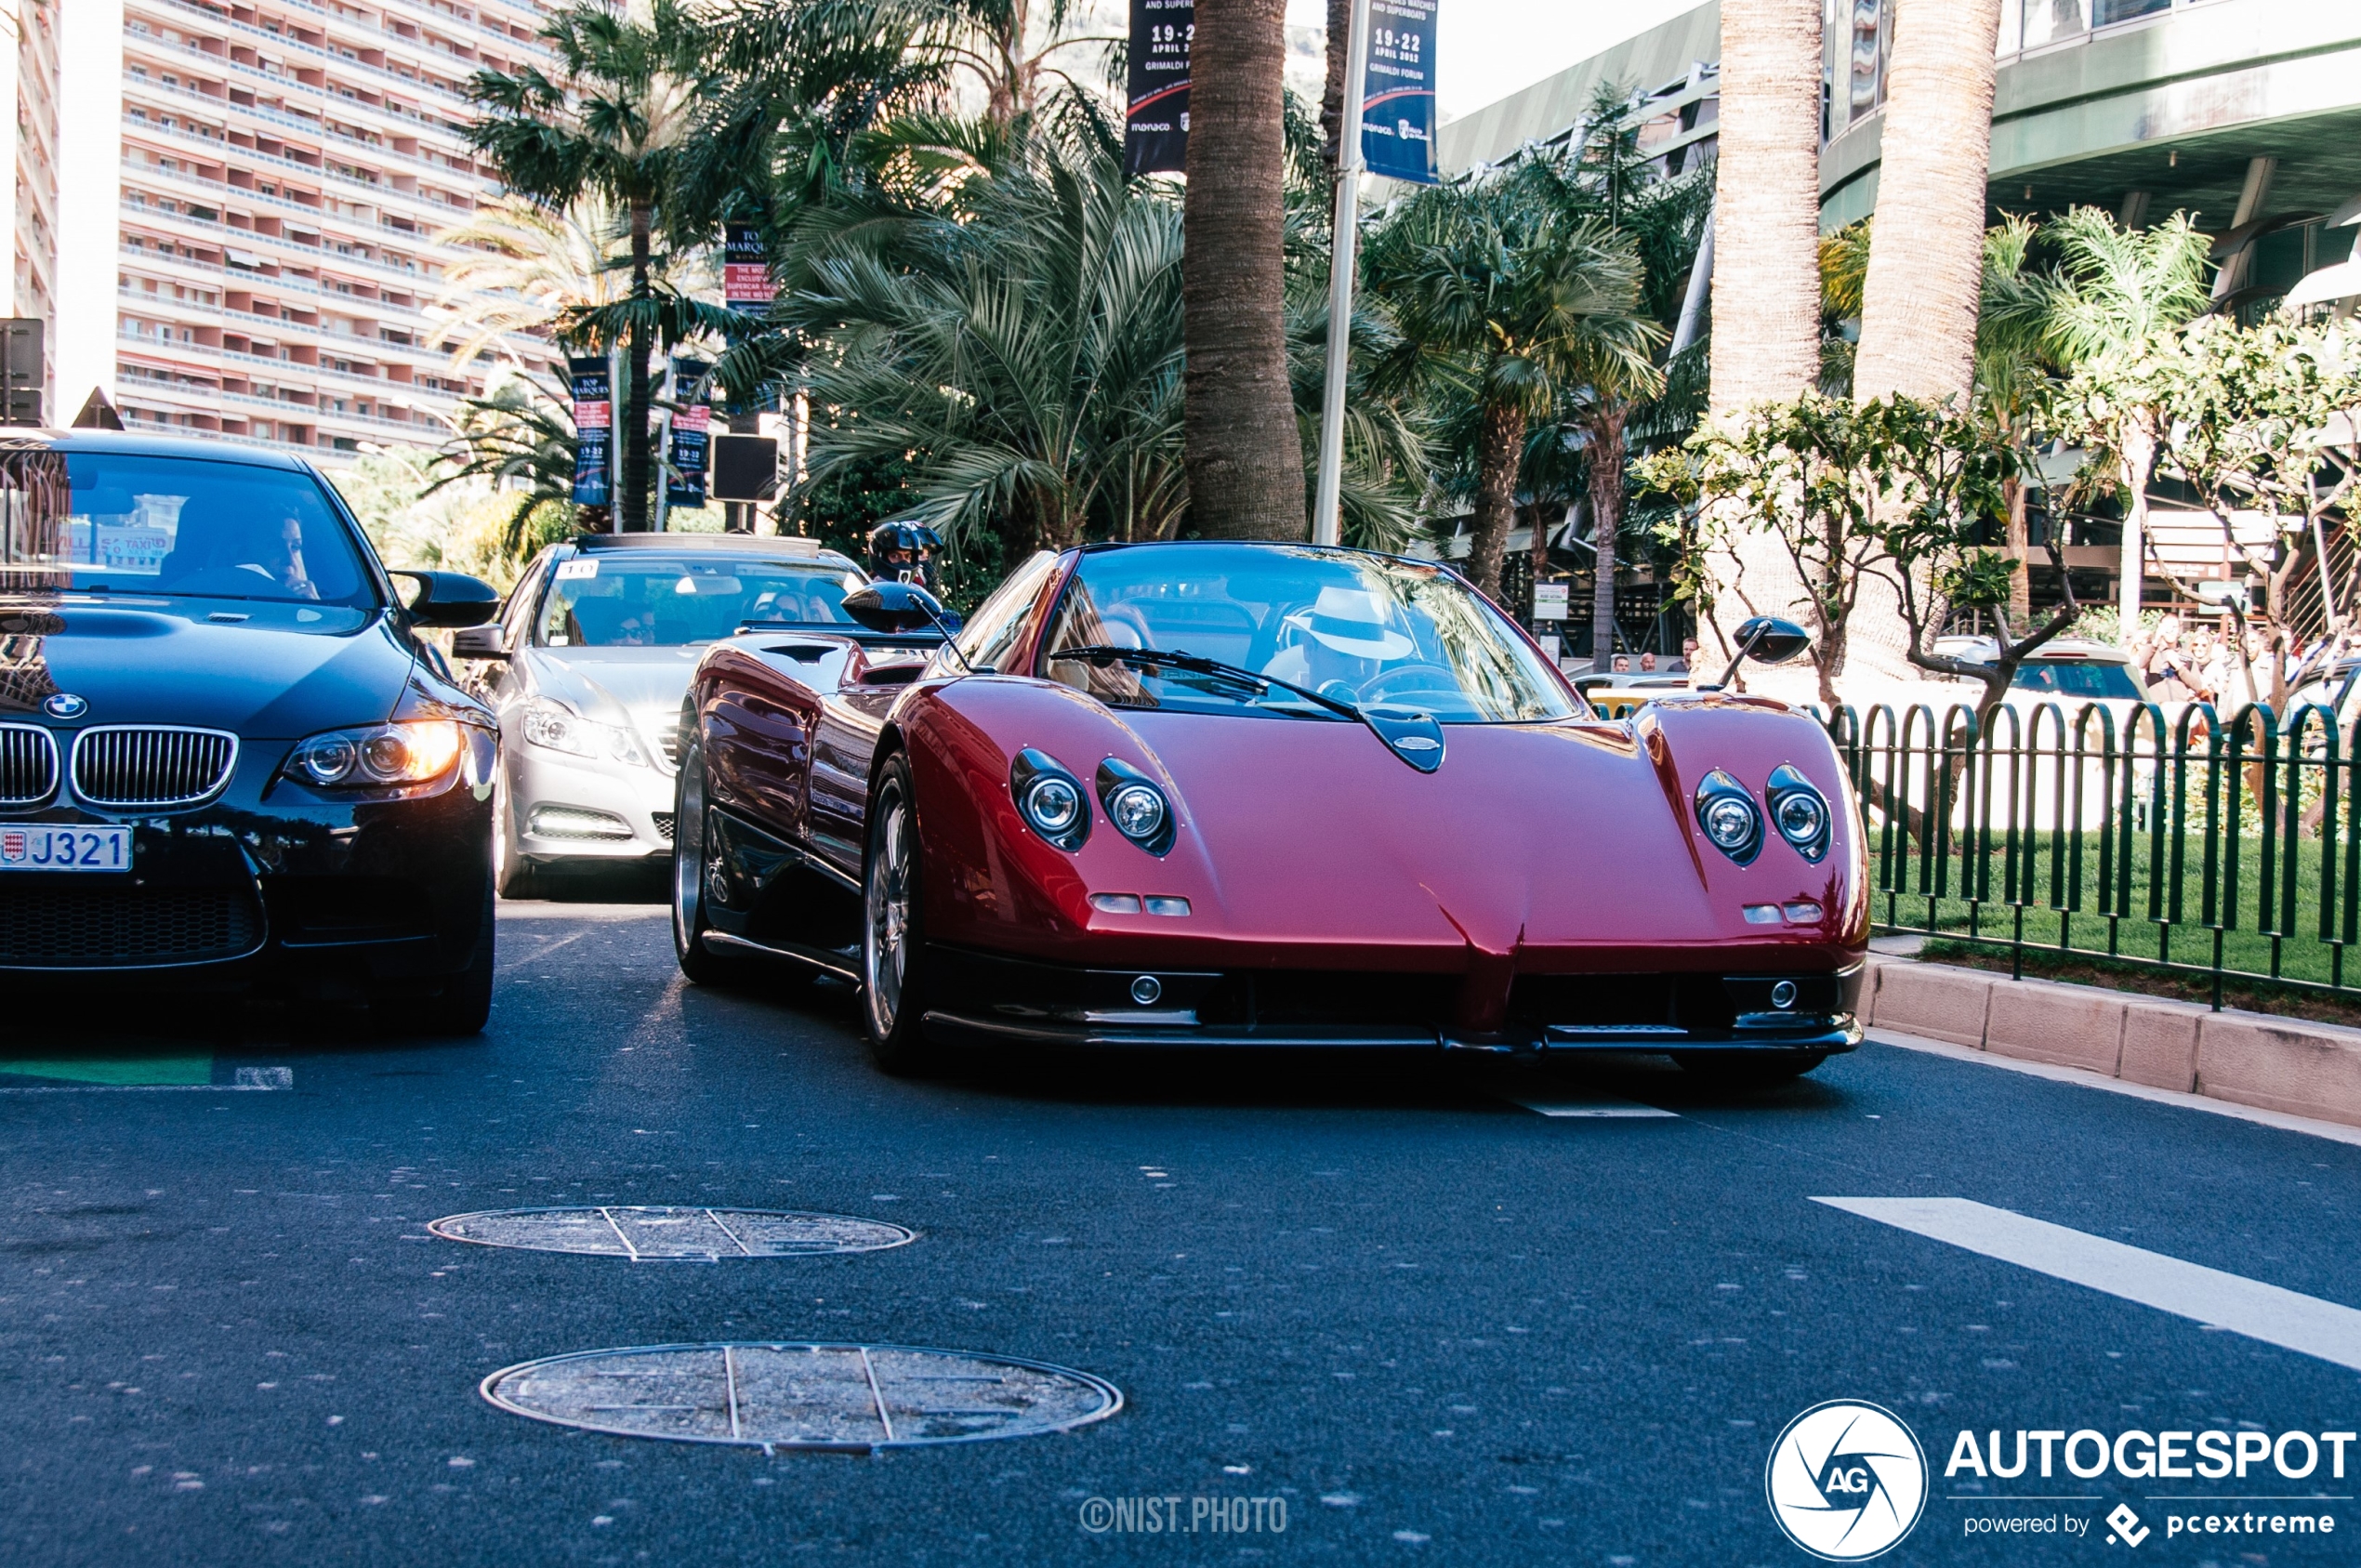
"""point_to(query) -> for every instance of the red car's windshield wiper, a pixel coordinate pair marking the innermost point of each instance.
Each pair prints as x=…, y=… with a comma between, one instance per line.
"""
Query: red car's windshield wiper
x=1108, y=653
x=1415, y=738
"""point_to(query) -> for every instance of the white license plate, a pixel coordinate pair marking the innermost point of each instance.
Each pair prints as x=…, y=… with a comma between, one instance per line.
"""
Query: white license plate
x=63, y=847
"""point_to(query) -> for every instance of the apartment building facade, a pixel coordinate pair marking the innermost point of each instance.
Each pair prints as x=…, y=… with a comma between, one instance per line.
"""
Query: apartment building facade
x=249, y=197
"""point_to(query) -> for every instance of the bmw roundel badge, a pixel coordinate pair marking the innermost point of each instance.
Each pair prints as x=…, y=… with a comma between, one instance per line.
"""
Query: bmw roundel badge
x=64, y=705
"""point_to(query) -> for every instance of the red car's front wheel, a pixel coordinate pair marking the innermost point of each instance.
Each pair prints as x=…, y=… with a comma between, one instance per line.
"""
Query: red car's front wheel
x=893, y=1004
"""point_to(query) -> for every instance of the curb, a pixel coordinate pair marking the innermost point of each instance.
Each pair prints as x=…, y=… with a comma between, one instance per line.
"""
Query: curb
x=2291, y=1066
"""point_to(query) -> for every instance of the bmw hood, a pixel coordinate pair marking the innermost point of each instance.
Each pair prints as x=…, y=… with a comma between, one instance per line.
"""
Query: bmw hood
x=263, y=670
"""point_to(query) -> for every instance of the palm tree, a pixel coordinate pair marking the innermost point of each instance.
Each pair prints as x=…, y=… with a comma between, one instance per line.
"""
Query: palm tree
x=1506, y=294
x=1766, y=231
x=1920, y=299
x=527, y=267
x=1244, y=456
x=1022, y=345
x=520, y=436
x=615, y=122
x=2012, y=370
x=2119, y=289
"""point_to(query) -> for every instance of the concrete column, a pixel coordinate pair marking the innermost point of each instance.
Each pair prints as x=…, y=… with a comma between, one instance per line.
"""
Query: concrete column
x=89, y=198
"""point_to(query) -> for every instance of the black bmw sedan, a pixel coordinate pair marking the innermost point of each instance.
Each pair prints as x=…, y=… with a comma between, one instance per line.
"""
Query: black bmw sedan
x=227, y=762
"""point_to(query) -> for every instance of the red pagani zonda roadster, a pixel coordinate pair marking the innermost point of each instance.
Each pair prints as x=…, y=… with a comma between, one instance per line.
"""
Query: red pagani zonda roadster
x=1217, y=794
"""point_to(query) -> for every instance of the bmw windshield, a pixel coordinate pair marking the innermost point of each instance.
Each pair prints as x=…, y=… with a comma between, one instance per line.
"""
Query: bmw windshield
x=164, y=526
x=1363, y=630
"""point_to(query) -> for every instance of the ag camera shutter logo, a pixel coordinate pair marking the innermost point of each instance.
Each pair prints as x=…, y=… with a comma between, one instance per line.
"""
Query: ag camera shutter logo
x=1847, y=1480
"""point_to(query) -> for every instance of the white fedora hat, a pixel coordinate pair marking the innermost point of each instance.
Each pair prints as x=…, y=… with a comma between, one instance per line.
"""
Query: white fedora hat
x=1353, y=620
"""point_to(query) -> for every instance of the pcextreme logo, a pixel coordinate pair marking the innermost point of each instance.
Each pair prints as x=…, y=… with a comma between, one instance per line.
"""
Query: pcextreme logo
x=1846, y=1481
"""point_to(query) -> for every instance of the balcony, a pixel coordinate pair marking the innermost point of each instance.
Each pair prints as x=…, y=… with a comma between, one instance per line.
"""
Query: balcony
x=314, y=255
x=311, y=128
x=388, y=119
x=268, y=39
x=437, y=213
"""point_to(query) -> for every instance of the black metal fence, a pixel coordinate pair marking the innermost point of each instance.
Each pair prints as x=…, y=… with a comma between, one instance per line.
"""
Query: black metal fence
x=2181, y=839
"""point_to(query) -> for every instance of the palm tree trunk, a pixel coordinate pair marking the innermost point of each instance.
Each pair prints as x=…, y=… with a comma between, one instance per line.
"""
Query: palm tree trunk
x=1920, y=298
x=1242, y=448
x=1332, y=95
x=2020, y=551
x=1499, y=453
x=2138, y=455
x=634, y=423
x=1606, y=524
x=1766, y=226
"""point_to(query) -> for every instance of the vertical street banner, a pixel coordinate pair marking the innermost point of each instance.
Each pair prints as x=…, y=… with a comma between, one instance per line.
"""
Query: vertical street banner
x=746, y=269
x=593, y=379
x=1156, y=125
x=692, y=437
x=1397, y=104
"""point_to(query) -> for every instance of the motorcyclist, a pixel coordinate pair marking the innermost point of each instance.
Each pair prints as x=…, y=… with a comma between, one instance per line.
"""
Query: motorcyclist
x=904, y=552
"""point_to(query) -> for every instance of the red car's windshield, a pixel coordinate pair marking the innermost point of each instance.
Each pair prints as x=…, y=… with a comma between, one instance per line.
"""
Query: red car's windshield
x=1364, y=629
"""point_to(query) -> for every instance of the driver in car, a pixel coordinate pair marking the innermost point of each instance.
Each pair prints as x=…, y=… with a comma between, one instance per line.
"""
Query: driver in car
x=1339, y=644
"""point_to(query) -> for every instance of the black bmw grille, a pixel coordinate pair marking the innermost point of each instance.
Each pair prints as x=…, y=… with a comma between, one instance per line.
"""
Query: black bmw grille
x=94, y=928
x=152, y=765
x=28, y=765
x=664, y=825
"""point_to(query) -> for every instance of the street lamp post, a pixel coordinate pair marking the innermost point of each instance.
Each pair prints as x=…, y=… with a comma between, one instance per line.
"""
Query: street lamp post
x=1327, y=515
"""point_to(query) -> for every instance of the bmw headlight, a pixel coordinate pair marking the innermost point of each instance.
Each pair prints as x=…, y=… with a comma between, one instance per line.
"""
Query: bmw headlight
x=1799, y=813
x=1049, y=798
x=559, y=728
x=1136, y=805
x=376, y=755
x=1729, y=817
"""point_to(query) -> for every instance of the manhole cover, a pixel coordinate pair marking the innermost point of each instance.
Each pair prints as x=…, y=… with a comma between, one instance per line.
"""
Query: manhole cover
x=852, y=1398
x=679, y=1235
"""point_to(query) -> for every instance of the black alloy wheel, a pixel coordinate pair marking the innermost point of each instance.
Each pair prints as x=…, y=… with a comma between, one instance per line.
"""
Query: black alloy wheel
x=691, y=866
x=892, y=946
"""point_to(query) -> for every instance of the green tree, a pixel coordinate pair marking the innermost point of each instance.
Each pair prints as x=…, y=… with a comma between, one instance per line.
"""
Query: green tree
x=1500, y=290
x=1021, y=348
x=2119, y=289
x=613, y=122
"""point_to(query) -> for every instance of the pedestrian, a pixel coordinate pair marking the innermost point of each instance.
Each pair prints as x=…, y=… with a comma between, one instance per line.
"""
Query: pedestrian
x=1622, y=663
x=2161, y=666
x=1648, y=663
x=1688, y=656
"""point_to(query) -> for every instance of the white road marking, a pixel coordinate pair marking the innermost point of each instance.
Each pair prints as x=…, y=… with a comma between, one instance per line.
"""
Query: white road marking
x=2276, y=1316
x=1590, y=1107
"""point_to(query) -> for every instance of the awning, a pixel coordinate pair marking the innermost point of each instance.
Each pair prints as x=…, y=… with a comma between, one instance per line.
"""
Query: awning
x=2340, y=281
x=2349, y=213
x=243, y=258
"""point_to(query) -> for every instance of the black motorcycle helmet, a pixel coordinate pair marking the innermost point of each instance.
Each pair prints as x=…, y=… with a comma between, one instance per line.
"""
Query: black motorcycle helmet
x=902, y=552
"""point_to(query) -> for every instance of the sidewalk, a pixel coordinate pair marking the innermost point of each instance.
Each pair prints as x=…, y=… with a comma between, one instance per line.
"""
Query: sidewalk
x=2289, y=1065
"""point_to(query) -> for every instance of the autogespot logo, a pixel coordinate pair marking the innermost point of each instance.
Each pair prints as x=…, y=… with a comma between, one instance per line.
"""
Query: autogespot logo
x=1846, y=1481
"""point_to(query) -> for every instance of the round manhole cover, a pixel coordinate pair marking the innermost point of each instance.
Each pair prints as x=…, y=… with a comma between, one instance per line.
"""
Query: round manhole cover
x=679, y=1235
x=850, y=1398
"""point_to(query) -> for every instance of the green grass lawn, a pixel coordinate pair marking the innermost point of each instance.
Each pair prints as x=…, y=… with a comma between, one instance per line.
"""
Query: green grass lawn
x=2247, y=946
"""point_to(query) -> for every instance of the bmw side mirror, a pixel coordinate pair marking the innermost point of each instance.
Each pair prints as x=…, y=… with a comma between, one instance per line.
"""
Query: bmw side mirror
x=478, y=642
x=894, y=607
x=449, y=598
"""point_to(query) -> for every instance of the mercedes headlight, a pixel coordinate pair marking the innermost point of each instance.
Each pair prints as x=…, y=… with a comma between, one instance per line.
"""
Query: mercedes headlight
x=1136, y=805
x=1049, y=798
x=376, y=755
x=558, y=728
x=1729, y=817
x=1799, y=813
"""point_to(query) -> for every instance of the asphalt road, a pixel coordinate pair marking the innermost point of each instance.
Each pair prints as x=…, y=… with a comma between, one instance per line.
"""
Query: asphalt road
x=1441, y=1326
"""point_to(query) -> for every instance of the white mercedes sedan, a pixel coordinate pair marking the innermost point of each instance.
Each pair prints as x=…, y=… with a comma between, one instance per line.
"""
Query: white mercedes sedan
x=587, y=667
